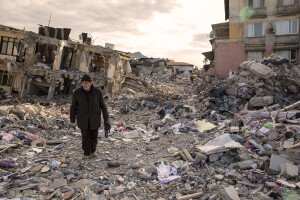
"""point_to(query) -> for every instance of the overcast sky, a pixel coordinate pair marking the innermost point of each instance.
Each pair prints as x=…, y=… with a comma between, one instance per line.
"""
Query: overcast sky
x=174, y=29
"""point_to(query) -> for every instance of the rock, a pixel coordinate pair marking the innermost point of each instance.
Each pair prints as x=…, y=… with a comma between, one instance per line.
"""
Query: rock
x=247, y=164
x=113, y=164
x=285, y=183
x=73, y=165
x=233, y=174
x=298, y=184
x=68, y=172
x=85, y=182
x=116, y=190
x=213, y=157
x=205, y=197
x=270, y=184
x=68, y=195
x=261, y=101
x=3, y=112
x=134, y=166
x=28, y=193
x=244, y=156
x=260, y=70
x=273, y=135
x=219, y=177
x=58, y=183
x=17, y=112
x=289, y=170
x=288, y=143
x=144, y=175
x=151, y=169
x=262, y=196
x=276, y=161
x=131, y=185
x=57, y=175
x=229, y=193
x=131, y=135
x=199, y=157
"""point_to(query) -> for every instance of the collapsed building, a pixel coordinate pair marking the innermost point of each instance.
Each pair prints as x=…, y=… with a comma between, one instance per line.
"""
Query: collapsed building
x=49, y=62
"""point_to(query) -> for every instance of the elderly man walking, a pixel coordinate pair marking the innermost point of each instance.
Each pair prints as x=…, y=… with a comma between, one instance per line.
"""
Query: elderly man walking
x=87, y=105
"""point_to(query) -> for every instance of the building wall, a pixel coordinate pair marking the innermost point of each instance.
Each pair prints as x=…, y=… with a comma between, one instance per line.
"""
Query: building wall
x=228, y=57
x=230, y=53
x=183, y=68
x=236, y=31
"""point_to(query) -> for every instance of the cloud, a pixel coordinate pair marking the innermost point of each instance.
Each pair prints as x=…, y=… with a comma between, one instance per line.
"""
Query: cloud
x=84, y=16
x=200, y=40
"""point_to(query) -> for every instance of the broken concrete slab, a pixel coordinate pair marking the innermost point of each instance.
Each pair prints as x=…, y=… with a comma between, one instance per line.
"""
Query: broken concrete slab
x=276, y=161
x=289, y=170
x=229, y=193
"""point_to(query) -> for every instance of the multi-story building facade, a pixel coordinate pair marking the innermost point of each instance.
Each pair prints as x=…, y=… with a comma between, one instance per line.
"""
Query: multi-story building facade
x=256, y=28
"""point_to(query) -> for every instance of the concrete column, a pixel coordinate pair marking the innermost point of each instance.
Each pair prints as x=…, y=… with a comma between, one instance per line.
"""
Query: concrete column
x=51, y=91
x=23, y=89
x=57, y=59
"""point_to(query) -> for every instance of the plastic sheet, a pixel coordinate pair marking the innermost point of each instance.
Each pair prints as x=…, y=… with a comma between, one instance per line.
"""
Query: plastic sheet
x=166, y=173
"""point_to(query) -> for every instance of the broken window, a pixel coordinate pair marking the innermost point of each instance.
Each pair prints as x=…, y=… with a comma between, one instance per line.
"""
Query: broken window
x=255, y=29
x=287, y=27
x=287, y=2
x=289, y=54
x=98, y=62
x=9, y=46
x=6, y=79
x=46, y=53
x=257, y=3
x=255, y=55
x=4, y=42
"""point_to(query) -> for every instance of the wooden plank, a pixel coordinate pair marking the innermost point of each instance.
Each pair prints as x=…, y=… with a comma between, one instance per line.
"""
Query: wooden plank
x=191, y=196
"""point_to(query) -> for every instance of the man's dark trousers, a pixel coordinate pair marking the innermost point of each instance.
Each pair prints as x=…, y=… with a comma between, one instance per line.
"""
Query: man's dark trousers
x=89, y=141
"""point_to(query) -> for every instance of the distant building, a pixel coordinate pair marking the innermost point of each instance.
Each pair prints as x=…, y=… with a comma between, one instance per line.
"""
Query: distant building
x=256, y=28
x=180, y=67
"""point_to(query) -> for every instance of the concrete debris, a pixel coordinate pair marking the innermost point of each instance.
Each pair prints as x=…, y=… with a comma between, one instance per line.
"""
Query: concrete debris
x=174, y=135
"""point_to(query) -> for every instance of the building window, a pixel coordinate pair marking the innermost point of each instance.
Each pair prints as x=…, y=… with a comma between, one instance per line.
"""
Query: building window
x=289, y=54
x=255, y=55
x=287, y=2
x=6, y=79
x=9, y=46
x=287, y=27
x=255, y=29
x=257, y=3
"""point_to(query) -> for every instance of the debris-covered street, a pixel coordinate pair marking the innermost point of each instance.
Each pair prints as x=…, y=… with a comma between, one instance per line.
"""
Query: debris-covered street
x=212, y=114
x=236, y=139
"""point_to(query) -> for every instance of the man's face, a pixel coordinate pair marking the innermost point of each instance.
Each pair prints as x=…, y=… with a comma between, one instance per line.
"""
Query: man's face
x=86, y=85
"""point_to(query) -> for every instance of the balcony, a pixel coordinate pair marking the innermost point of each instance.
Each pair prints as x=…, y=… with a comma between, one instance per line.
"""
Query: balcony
x=221, y=30
x=254, y=41
x=259, y=13
x=287, y=39
x=288, y=10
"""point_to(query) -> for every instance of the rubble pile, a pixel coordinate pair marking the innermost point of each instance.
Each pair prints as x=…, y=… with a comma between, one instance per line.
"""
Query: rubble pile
x=256, y=85
x=237, y=139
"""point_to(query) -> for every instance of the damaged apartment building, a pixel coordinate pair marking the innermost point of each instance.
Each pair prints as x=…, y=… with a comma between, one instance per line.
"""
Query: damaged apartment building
x=50, y=63
x=256, y=29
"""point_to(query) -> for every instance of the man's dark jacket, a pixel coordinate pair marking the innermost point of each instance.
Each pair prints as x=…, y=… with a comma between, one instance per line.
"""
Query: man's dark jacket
x=87, y=107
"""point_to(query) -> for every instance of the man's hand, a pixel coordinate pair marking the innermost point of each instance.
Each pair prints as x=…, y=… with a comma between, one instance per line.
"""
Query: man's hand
x=106, y=128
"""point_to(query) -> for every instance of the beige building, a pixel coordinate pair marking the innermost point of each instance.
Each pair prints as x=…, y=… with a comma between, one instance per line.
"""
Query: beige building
x=256, y=28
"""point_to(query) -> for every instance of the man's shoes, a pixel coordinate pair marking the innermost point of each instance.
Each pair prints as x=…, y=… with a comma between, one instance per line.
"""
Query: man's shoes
x=86, y=157
x=93, y=154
